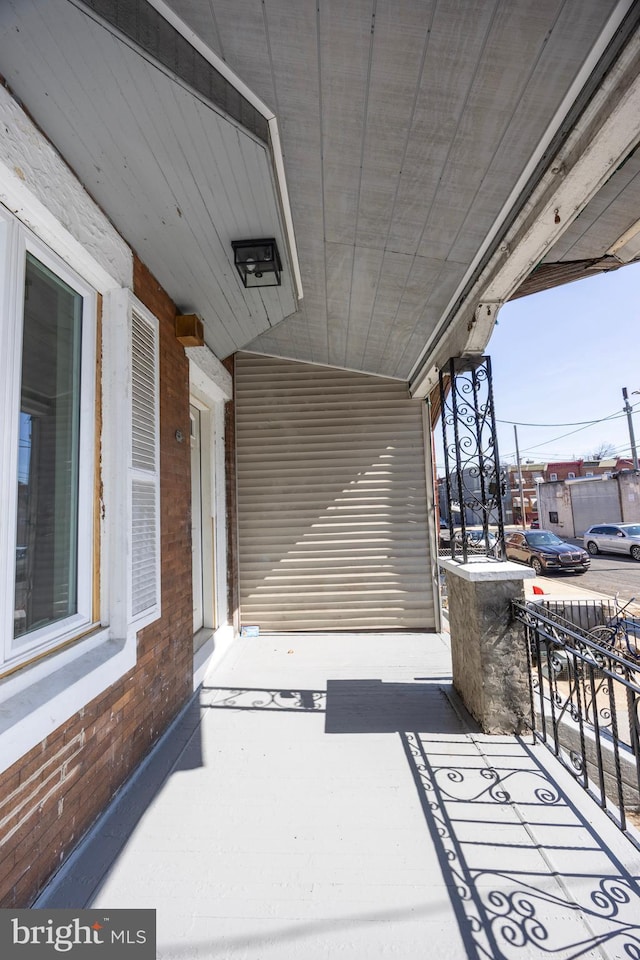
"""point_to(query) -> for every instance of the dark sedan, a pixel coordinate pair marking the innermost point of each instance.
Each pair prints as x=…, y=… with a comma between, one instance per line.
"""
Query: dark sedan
x=545, y=552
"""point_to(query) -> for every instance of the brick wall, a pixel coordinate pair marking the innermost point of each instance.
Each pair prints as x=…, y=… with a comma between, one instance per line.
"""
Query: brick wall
x=51, y=796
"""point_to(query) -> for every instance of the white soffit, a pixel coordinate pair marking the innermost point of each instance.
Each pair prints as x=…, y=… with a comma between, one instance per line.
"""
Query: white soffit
x=179, y=179
x=274, y=133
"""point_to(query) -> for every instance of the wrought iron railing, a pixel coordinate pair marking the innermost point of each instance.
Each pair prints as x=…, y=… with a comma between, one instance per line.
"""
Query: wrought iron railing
x=585, y=706
x=473, y=484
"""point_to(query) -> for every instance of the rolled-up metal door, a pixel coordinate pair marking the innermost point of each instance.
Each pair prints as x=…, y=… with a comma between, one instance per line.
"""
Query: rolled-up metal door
x=332, y=500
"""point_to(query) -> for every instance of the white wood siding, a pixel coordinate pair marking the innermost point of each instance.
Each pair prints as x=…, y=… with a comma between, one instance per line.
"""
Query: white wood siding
x=332, y=503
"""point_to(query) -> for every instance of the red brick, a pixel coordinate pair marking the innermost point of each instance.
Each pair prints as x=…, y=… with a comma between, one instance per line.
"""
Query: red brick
x=122, y=723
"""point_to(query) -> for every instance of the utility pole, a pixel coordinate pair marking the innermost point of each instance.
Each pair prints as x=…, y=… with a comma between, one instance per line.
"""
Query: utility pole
x=628, y=409
x=523, y=512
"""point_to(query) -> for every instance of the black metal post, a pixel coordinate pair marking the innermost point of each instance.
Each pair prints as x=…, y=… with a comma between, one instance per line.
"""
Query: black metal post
x=472, y=464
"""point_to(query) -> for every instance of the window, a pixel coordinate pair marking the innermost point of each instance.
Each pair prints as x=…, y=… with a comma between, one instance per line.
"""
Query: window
x=47, y=366
x=553, y=476
x=553, y=516
x=571, y=475
x=48, y=454
x=589, y=473
x=67, y=627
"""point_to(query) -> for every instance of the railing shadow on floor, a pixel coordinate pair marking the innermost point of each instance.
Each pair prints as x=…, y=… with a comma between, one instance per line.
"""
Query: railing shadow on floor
x=526, y=873
x=258, y=698
x=511, y=897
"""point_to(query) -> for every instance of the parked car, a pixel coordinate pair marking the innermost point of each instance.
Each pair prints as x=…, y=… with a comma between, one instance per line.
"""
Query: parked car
x=613, y=538
x=476, y=541
x=545, y=552
x=445, y=536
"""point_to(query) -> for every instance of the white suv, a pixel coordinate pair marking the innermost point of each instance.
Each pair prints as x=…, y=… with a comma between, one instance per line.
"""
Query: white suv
x=613, y=538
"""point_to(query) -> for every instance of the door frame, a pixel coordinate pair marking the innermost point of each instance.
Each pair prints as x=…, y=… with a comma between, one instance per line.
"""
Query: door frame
x=201, y=512
x=210, y=387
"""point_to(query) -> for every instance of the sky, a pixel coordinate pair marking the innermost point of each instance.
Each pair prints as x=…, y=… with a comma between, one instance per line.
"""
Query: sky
x=562, y=357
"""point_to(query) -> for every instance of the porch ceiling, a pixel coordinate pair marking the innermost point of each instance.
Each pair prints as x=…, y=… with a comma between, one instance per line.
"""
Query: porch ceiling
x=178, y=178
x=411, y=132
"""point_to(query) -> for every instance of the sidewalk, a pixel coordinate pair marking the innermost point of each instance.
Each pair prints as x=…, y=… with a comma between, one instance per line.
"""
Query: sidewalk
x=562, y=589
x=328, y=797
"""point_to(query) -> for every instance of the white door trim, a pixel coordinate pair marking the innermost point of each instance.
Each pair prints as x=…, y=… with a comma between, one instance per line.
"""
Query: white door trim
x=209, y=396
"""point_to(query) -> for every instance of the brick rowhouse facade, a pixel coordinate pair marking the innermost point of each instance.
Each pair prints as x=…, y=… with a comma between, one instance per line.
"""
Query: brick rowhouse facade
x=51, y=796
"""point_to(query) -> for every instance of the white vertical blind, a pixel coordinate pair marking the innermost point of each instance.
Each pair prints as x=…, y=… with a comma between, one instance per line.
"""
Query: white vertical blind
x=145, y=486
x=332, y=505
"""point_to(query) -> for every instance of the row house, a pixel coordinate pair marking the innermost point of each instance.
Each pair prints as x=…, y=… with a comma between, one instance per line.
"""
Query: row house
x=523, y=500
x=534, y=474
x=236, y=252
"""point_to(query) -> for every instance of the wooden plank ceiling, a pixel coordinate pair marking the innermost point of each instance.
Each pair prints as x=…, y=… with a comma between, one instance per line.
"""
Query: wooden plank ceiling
x=406, y=126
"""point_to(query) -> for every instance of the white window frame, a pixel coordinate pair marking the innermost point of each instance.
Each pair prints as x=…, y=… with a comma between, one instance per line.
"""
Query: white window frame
x=17, y=243
x=37, y=192
x=38, y=696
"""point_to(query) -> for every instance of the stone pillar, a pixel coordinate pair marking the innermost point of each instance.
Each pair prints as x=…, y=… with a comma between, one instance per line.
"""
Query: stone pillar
x=487, y=648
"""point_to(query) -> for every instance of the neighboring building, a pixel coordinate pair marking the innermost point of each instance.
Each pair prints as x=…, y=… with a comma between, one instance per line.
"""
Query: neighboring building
x=613, y=465
x=591, y=468
x=570, y=507
x=535, y=474
x=470, y=502
x=608, y=467
x=563, y=470
x=525, y=499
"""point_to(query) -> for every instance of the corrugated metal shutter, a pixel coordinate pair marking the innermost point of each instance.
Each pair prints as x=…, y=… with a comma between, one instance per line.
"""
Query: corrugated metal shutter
x=596, y=501
x=332, y=506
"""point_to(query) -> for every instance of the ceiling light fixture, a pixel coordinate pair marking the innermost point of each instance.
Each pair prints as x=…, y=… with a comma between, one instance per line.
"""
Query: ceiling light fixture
x=258, y=262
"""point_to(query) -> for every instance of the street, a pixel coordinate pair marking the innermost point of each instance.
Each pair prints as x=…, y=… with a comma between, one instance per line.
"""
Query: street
x=608, y=574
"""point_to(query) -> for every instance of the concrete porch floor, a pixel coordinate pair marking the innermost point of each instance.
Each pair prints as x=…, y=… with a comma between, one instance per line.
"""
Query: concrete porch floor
x=327, y=796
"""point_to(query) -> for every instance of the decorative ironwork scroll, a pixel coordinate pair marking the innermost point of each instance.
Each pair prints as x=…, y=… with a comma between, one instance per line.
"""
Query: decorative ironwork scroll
x=585, y=705
x=473, y=481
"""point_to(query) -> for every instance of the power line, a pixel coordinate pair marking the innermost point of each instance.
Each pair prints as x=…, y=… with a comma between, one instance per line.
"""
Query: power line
x=619, y=449
x=584, y=425
x=579, y=423
x=570, y=434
